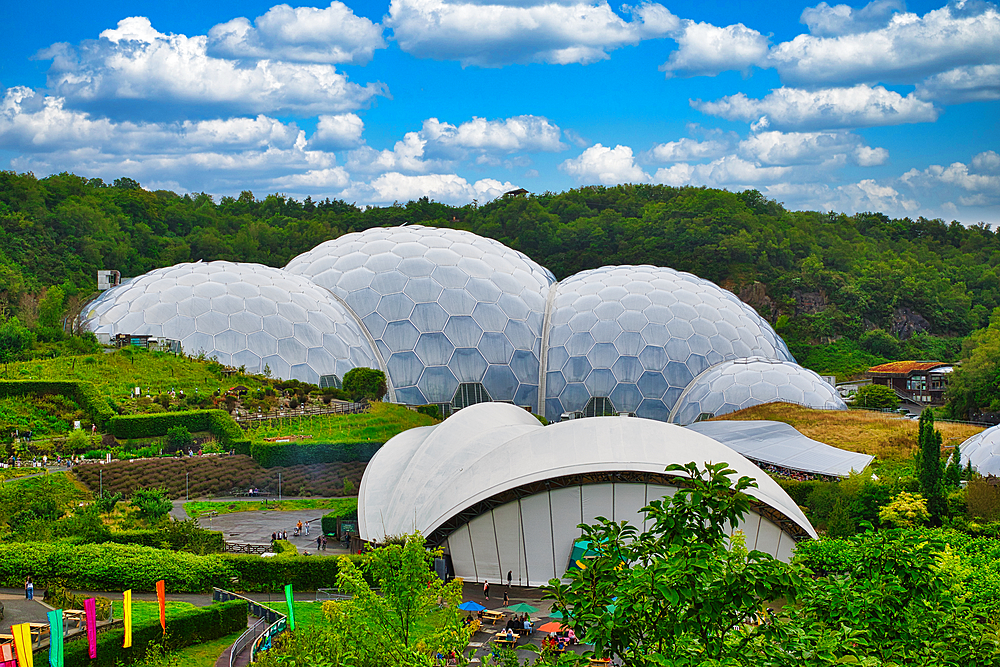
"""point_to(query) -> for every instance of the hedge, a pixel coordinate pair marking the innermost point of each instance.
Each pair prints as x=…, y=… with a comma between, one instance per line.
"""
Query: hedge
x=261, y=575
x=218, y=422
x=272, y=454
x=203, y=541
x=329, y=520
x=84, y=393
x=183, y=629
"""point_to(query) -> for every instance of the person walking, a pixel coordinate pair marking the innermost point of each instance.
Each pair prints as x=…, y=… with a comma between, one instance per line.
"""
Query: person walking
x=319, y=542
x=324, y=543
x=506, y=600
x=510, y=575
x=486, y=589
x=29, y=589
x=307, y=527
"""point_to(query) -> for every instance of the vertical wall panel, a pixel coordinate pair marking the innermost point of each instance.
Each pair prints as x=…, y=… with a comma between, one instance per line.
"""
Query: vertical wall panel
x=786, y=546
x=629, y=499
x=767, y=538
x=566, y=516
x=538, y=538
x=484, y=547
x=507, y=520
x=750, y=527
x=460, y=547
x=598, y=500
x=656, y=492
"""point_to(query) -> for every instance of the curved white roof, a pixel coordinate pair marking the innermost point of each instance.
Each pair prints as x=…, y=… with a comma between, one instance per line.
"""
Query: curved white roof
x=983, y=450
x=782, y=445
x=444, y=306
x=742, y=383
x=240, y=314
x=639, y=334
x=424, y=477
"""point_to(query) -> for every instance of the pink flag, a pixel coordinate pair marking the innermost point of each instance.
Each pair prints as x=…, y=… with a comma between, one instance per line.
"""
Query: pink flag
x=90, y=609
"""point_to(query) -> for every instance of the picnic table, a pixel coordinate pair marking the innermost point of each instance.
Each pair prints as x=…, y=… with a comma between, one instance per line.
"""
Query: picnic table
x=492, y=616
x=77, y=616
x=501, y=638
x=37, y=630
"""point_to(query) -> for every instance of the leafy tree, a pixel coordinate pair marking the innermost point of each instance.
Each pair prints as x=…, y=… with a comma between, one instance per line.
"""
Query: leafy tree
x=929, y=469
x=672, y=594
x=15, y=340
x=106, y=502
x=880, y=343
x=151, y=504
x=365, y=383
x=975, y=384
x=179, y=438
x=876, y=396
x=906, y=511
x=50, y=312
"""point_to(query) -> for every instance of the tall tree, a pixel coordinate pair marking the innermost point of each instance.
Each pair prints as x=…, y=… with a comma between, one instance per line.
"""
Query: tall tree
x=930, y=471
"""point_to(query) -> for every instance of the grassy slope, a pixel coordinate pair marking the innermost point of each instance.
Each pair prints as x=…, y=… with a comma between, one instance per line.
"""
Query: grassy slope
x=885, y=436
x=383, y=421
x=115, y=374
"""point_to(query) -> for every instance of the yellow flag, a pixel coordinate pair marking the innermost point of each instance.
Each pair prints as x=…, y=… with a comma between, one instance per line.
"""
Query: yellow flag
x=22, y=644
x=127, y=616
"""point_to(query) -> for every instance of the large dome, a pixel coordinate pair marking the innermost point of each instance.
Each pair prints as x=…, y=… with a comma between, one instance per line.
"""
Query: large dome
x=493, y=470
x=983, y=450
x=742, y=383
x=240, y=314
x=633, y=337
x=445, y=307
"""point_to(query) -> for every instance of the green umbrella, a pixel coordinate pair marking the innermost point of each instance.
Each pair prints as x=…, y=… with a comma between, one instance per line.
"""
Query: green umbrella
x=522, y=608
x=556, y=614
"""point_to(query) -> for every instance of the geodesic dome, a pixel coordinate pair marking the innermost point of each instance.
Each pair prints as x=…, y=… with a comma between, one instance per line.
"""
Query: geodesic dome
x=742, y=383
x=445, y=307
x=240, y=314
x=983, y=450
x=633, y=337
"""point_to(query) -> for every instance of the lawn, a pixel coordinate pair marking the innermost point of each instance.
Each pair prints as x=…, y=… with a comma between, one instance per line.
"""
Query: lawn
x=205, y=654
x=149, y=612
x=58, y=488
x=306, y=613
x=342, y=506
x=380, y=423
x=887, y=436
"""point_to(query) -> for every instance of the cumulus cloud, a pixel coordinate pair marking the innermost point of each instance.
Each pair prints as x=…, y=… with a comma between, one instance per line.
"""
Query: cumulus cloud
x=988, y=161
x=706, y=50
x=337, y=132
x=799, y=148
x=605, y=165
x=303, y=34
x=518, y=133
x=962, y=84
x=134, y=69
x=830, y=21
x=726, y=171
x=828, y=108
x=451, y=188
x=908, y=49
x=958, y=175
x=688, y=149
x=494, y=35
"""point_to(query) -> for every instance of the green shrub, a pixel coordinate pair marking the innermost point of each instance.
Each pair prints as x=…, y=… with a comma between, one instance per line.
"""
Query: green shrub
x=329, y=520
x=84, y=393
x=183, y=629
x=218, y=422
x=176, y=535
x=271, y=454
x=304, y=573
x=178, y=437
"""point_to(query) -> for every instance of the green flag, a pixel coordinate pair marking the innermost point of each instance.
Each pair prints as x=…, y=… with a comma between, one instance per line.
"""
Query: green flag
x=55, y=638
x=291, y=609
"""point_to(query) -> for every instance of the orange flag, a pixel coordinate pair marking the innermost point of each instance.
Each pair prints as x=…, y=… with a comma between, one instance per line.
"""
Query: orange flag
x=161, y=597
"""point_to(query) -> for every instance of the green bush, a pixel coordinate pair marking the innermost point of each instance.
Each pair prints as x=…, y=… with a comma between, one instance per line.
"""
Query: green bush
x=183, y=629
x=271, y=454
x=329, y=520
x=84, y=393
x=304, y=573
x=876, y=396
x=178, y=437
x=218, y=422
x=176, y=535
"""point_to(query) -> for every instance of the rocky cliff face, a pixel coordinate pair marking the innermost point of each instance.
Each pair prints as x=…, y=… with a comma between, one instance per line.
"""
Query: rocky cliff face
x=906, y=322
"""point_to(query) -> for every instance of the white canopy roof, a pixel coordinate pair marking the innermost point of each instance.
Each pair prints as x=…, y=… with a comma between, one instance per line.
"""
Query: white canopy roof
x=780, y=444
x=425, y=476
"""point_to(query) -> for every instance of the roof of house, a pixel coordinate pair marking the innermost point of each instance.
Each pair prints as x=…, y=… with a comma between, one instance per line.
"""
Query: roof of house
x=905, y=367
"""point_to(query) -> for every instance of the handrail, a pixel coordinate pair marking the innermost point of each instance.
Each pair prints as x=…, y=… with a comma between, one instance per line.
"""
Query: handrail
x=251, y=636
x=244, y=640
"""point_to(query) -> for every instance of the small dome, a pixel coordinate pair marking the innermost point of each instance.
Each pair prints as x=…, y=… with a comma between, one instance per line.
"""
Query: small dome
x=742, y=383
x=445, y=307
x=240, y=314
x=637, y=335
x=983, y=450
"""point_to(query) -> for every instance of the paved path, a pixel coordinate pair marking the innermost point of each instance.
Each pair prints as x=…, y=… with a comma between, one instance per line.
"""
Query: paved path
x=17, y=609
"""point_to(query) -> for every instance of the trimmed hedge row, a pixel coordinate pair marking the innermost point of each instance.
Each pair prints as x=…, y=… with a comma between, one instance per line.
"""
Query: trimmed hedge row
x=207, y=541
x=183, y=629
x=273, y=454
x=218, y=422
x=118, y=567
x=329, y=520
x=84, y=393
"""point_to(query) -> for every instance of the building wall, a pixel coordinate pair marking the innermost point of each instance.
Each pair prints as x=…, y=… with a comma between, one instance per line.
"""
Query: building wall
x=533, y=537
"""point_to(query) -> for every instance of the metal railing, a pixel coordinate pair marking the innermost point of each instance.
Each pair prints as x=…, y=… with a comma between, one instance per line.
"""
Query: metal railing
x=286, y=413
x=273, y=620
x=253, y=549
x=245, y=640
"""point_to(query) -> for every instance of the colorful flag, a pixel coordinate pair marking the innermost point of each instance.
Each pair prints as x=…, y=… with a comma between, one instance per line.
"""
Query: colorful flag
x=7, y=655
x=90, y=610
x=22, y=644
x=55, y=638
x=161, y=597
x=291, y=609
x=127, y=617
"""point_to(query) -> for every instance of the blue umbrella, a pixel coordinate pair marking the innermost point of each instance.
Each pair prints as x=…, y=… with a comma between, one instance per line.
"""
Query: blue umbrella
x=471, y=606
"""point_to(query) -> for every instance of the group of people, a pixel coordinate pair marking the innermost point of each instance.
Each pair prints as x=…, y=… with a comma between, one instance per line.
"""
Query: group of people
x=559, y=642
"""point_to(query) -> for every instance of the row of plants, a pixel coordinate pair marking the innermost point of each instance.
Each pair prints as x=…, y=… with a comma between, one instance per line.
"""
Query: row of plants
x=217, y=422
x=207, y=476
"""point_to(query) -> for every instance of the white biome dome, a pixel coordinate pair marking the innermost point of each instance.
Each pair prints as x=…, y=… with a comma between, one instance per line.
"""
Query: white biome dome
x=453, y=314
x=241, y=315
x=742, y=383
x=983, y=450
x=631, y=338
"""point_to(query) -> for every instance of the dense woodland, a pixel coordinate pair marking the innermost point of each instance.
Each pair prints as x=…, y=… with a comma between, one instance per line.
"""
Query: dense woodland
x=844, y=291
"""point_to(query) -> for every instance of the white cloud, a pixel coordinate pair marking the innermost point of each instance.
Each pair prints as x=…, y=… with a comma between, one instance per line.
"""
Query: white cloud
x=518, y=133
x=962, y=84
x=314, y=180
x=729, y=170
x=829, y=21
x=706, y=50
x=336, y=132
x=605, y=165
x=133, y=69
x=450, y=188
x=302, y=34
x=688, y=149
x=908, y=49
x=494, y=35
x=800, y=148
x=988, y=161
x=828, y=108
x=957, y=175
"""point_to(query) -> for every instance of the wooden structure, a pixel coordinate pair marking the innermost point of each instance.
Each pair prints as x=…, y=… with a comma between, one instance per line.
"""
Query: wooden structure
x=920, y=382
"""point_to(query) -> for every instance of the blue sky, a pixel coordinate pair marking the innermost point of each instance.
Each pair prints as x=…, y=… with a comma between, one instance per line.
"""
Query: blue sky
x=889, y=106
